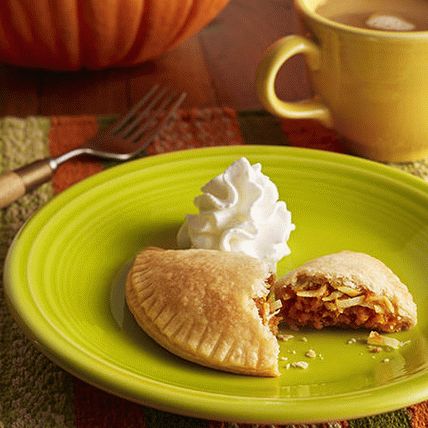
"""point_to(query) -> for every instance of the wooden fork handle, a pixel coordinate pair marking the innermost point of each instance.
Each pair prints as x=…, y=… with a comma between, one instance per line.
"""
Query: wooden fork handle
x=14, y=184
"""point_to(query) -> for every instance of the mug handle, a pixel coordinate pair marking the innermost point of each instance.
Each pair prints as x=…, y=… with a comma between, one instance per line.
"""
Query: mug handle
x=267, y=70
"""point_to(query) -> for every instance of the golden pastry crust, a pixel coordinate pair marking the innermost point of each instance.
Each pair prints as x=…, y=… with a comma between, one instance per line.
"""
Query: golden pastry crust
x=199, y=304
x=346, y=289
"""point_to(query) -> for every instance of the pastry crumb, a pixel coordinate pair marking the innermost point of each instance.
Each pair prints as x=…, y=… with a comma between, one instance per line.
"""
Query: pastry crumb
x=311, y=353
x=283, y=358
x=304, y=339
x=376, y=339
x=284, y=337
x=300, y=365
x=351, y=341
x=386, y=360
x=374, y=349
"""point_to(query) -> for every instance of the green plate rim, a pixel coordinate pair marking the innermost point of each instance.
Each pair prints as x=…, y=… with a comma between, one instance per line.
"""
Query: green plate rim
x=183, y=400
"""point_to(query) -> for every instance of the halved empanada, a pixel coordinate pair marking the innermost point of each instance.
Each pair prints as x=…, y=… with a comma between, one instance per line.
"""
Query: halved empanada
x=345, y=289
x=201, y=305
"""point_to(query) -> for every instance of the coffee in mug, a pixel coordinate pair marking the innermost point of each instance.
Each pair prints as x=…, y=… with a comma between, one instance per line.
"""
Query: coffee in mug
x=386, y=15
x=370, y=82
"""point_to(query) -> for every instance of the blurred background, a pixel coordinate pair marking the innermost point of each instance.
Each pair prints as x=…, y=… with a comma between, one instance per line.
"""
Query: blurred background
x=216, y=67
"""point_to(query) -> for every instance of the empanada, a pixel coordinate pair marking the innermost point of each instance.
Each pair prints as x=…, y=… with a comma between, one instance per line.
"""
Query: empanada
x=206, y=306
x=345, y=289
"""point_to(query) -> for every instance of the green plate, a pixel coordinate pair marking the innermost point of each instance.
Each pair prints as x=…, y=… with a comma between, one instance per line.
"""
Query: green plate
x=65, y=274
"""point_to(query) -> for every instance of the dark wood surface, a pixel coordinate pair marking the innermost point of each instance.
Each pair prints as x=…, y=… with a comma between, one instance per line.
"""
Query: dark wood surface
x=216, y=67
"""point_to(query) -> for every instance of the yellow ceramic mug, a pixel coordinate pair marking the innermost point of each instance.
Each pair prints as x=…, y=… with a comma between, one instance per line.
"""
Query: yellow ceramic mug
x=371, y=86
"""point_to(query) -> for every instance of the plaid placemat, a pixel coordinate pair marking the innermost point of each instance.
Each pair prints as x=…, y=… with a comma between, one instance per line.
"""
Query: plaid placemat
x=36, y=393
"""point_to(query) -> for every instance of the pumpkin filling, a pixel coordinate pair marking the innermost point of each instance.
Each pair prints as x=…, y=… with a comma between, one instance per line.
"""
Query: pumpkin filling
x=319, y=305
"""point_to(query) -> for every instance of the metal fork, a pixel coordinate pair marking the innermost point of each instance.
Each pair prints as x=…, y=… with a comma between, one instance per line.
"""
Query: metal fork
x=123, y=140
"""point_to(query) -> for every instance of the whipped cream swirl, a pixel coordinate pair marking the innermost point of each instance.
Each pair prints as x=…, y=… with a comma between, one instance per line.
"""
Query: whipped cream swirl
x=239, y=211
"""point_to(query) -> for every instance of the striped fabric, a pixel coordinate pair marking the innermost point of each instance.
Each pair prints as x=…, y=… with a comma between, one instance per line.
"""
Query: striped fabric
x=33, y=391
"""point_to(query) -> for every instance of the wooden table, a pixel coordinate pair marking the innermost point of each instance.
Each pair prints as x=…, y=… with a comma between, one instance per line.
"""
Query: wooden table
x=216, y=67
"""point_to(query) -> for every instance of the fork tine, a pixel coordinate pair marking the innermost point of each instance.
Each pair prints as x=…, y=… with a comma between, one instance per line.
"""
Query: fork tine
x=154, y=120
x=138, y=135
x=145, y=118
x=125, y=119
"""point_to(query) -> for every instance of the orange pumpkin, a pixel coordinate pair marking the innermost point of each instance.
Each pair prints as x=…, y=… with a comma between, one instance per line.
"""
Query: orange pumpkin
x=73, y=34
